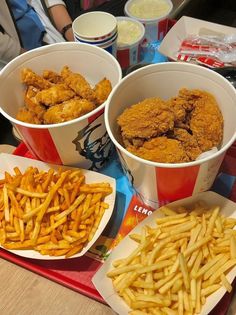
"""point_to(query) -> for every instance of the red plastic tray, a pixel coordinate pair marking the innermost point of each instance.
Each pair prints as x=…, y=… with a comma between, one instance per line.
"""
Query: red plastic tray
x=77, y=273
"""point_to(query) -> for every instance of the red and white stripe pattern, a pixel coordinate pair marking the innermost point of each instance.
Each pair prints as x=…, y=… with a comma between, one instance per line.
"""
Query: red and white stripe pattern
x=58, y=145
x=156, y=31
x=157, y=186
x=128, y=56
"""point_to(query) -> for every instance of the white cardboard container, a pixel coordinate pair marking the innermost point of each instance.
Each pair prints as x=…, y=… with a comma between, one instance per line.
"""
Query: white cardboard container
x=8, y=162
x=155, y=28
x=95, y=26
x=186, y=26
x=129, y=54
x=104, y=284
x=80, y=142
x=160, y=183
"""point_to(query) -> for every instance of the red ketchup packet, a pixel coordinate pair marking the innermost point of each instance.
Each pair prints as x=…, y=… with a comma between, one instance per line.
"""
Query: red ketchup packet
x=210, y=51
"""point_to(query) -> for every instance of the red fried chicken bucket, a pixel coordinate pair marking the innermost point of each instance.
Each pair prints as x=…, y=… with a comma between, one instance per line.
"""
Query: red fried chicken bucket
x=71, y=131
x=155, y=182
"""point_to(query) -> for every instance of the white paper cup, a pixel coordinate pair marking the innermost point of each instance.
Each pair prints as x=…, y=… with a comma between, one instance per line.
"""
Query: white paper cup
x=156, y=24
x=110, y=44
x=93, y=42
x=130, y=35
x=160, y=183
x=83, y=141
x=94, y=26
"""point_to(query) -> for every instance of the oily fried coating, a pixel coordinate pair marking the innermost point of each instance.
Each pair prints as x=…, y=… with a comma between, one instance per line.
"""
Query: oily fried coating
x=32, y=104
x=31, y=91
x=206, y=122
x=182, y=104
x=27, y=116
x=78, y=84
x=52, y=76
x=68, y=110
x=29, y=77
x=188, y=142
x=56, y=94
x=146, y=119
x=161, y=149
x=187, y=98
x=102, y=90
x=136, y=142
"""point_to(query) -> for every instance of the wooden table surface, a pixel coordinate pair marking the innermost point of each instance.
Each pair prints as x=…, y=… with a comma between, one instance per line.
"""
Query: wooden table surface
x=23, y=292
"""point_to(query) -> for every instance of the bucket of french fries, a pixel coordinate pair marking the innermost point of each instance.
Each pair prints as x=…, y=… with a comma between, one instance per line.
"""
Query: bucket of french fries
x=55, y=97
x=171, y=124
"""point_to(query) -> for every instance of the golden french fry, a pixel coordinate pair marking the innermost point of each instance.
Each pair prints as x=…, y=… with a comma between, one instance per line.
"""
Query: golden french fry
x=212, y=221
x=208, y=265
x=19, y=245
x=232, y=247
x=6, y=204
x=169, y=218
x=226, y=283
x=223, y=268
x=186, y=301
x=215, y=267
x=184, y=271
x=180, y=303
x=123, y=269
x=66, y=212
x=167, y=211
x=210, y=289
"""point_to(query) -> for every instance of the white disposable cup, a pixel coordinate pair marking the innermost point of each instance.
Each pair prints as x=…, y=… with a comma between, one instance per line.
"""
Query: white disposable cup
x=110, y=44
x=128, y=54
x=95, y=42
x=160, y=183
x=155, y=28
x=83, y=141
x=94, y=26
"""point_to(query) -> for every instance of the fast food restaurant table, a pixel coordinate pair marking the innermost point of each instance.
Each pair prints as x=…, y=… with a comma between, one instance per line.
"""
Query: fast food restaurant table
x=24, y=291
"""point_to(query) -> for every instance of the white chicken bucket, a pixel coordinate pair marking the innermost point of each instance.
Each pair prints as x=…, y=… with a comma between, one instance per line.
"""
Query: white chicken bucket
x=160, y=183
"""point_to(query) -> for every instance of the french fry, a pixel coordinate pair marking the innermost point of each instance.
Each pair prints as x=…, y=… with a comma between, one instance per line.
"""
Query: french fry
x=184, y=271
x=226, y=283
x=229, y=264
x=232, y=247
x=6, y=204
x=180, y=302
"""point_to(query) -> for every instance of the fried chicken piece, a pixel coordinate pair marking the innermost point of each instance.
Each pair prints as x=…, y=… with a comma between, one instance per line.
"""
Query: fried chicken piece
x=182, y=104
x=29, y=77
x=102, y=90
x=68, y=110
x=52, y=76
x=206, y=122
x=27, y=116
x=177, y=109
x=78, y=84
x=146, y=119
x=31, y=91
x=136, y=142
x=32, y=104
x=56, y=94
x=161, y=149
x=188, y=142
